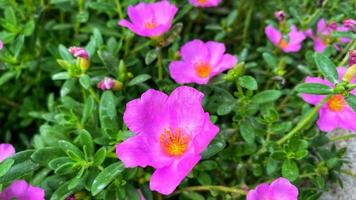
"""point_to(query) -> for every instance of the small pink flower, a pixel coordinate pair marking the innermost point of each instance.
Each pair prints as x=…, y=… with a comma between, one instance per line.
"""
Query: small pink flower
x=350, y=23
x=1, y=44
x=279, y=15
x=6, y=151
x=106, y=84
x=200, y=62
x=291, y=44
x=335, y=113
x=280, y=188
x=205, y=3
x=79, y=52
x=323, y=36
x=352, y=57
x=150, y=19
x=21, y=190
x=167, y=136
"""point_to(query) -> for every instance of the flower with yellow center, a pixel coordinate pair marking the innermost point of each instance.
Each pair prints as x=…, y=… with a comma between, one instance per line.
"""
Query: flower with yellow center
x=336, y=103
x=174, y=142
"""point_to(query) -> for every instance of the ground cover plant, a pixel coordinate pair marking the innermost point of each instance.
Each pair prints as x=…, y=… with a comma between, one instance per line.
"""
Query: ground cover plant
x=188, y=99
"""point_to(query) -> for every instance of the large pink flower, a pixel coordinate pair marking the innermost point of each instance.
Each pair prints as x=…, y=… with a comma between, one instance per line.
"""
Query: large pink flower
x=21, y=190
x=6, y=150
x=291, y=44
x=200, y=62
x=205, y=3
x=279, y=189
x=170, y=134
x=322, y=38
x=336, y=113
x=150, y=19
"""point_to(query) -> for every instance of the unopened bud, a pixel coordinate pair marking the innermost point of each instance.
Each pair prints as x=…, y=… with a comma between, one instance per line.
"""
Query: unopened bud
x=280, y=16
x=84, y=64
x=110, y=84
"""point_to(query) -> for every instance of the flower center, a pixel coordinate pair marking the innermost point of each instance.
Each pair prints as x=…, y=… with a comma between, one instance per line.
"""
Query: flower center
x=336, y=103
x=150, y=25
x=283, y=43
x=202, y=2
x=174, y=142
x=203, y=70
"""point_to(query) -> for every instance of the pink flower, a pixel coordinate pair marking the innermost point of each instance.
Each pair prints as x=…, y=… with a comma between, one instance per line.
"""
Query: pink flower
x=350, y=23
x=323, y=36
x=79, y=52
x=106, y=84
x=352, y=57
x=335, y=113
x=205, y=3
x=150, y=19
x=168, y=137
x=200, y=62
x=1, y=44
x=280, y=16
x=292, y=44
x=21, y=190
x=6, y=151
x=280, y=188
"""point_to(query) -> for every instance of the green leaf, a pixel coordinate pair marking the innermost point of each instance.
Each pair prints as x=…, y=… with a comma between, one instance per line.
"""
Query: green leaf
x=270, y=60
x=85, y=139
x=266, y=96
x=105, y=177
x=109, y=61
x=6, y=77
x=60, y=76
x=19, y=170
x=107, y=114
x=139, y=79
x=326, y=67
x=225, y=108
x=351, y=100
x=63, y=51
x=290, y=170
x=88, y=110
x=62, y=192
x=313, y=88
x=248, y=82
x=99, y=156
x=18, y=45
x=247, y=132
x=68, y=86
x=84, y=81
x=58, y=162
x=214, y=147
x=69, y=147
x=44, y=155
x=151, y=56
x=5, y=166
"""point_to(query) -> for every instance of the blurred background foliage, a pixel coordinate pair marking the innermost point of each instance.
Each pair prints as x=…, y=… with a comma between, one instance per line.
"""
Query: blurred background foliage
x=37, y=96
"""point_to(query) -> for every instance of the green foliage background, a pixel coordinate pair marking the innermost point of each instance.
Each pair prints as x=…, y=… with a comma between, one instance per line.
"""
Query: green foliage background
x=72, y=128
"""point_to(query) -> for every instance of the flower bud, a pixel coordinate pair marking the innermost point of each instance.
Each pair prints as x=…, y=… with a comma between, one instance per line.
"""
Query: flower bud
x=350, y=23
x=110, y=84
x=351, y=71
x=83, y=57
x=280, y=16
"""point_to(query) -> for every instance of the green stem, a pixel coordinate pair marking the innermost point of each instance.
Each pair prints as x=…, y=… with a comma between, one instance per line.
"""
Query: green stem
x=94, y=95
x=304, y=121
x=342, y=137
x=160, y=65
x=119, y=9
x=212, y=187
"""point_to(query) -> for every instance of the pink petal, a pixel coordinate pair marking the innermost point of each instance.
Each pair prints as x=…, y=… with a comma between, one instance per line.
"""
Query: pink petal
x=312, y=98
x=182, y=102
x=194, y=51
x=216, y=52
x=208, y=3
x=319, y=45
x=295, y=40
x=206, y=135
x=147, y=114
x=6, y=151
x=164, y=12
x=139, y=151
x=184, y=72
x=259, y=193
x=1, y=44
x=281, y=188
x=321, y=26
x=328, y=120
x=35, y=193
x=227, y=62
x=166, y=180
x=347, y=119
x=273, y=34
x=309, y=33
x=140, y=13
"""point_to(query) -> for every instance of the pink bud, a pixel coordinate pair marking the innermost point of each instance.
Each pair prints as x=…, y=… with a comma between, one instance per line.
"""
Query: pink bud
x=350, y=23
x=352, y=57
x=333, y=25
x=106, y=84
x=280, y=16
x=79, y=52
